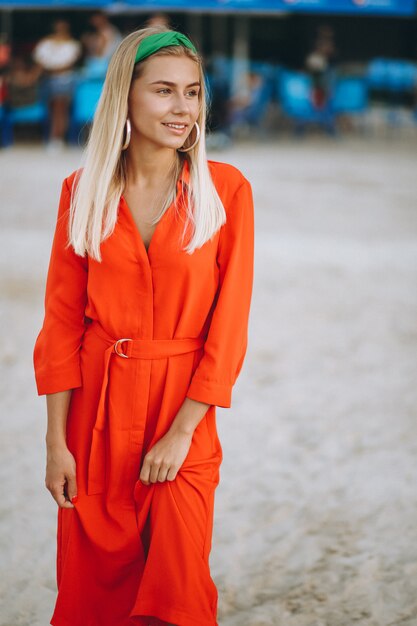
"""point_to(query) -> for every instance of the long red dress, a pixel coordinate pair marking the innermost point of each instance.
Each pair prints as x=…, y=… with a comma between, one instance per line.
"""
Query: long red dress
x=128, y=553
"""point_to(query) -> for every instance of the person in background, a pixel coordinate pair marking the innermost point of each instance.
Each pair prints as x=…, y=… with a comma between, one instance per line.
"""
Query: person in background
x=99, y=44
x=319, y=65
x=243, y=106
x=106, y=36
x=4, y=51
x=4, y=68
x=158, y=19
x=23, y=82
x=57, y=55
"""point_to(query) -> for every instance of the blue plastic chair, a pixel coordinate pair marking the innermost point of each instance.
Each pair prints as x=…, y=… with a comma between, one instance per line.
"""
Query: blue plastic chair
x=295, y=97
x=392, y=75
x=401, y=76
x=36, y=113
x=377, y=74
x=32, y=113
x=350, y=96
x=86, y=96
x=395, y=80
x=95, y=68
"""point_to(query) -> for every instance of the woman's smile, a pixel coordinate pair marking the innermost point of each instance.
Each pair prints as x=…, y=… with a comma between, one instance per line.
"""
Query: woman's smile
x=177, y=129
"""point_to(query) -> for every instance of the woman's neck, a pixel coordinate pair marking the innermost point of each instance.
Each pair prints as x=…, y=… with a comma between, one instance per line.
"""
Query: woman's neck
x=150, y=168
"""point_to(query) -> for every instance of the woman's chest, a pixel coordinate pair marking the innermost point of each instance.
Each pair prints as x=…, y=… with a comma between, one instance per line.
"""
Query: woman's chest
x=162, y=292
x=154, y=258
x=145, y=212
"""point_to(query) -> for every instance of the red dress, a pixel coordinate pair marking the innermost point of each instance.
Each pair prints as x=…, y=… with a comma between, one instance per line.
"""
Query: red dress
x=128, y=553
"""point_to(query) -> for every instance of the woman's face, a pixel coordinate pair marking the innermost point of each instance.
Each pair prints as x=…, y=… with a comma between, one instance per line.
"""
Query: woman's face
x=166, y=93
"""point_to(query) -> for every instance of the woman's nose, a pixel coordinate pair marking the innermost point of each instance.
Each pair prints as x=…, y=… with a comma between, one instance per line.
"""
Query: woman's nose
x=181, y=104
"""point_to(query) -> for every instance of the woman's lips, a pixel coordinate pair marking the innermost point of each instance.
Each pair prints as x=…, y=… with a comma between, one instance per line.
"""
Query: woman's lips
x=178, y=129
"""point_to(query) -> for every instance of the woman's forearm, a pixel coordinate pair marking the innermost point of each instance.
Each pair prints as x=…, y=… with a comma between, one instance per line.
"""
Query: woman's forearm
x=57, y=409
x=60, y=478
x=189, y=416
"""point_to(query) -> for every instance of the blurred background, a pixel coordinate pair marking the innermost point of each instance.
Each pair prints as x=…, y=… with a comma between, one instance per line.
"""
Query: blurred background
x=272, y=65
x=315, y=101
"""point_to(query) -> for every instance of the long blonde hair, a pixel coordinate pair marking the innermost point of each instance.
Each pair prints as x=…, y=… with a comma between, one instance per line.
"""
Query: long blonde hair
x=99, y=184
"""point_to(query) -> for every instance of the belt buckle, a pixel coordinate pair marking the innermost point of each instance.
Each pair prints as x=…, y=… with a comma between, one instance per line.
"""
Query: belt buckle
x=116, y=346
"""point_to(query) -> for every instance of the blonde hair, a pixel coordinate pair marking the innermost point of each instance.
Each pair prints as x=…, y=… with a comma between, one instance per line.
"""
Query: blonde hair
x=99, y=184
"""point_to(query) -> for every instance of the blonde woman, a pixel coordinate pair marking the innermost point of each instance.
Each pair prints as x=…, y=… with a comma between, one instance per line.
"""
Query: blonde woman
x=145, y=331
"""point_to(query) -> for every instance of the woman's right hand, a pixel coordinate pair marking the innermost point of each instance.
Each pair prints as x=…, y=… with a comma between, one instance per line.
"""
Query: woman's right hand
x=60, y=477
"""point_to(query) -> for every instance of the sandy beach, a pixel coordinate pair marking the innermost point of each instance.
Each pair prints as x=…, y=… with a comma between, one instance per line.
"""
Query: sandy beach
x=316, y=511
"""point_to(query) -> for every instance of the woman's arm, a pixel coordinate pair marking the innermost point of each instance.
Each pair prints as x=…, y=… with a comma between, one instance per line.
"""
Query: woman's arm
x=226, y=343
x=227, y=339
x=56, y=353
x=60, y=477
x=57, y=348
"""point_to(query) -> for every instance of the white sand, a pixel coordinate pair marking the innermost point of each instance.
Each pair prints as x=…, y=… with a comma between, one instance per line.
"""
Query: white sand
x=316, y=512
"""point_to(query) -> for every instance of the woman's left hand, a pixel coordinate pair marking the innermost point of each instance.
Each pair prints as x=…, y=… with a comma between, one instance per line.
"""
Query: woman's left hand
x=165, y=458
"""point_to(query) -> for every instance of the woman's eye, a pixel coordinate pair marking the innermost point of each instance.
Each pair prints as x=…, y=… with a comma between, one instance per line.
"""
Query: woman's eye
x=165, y=90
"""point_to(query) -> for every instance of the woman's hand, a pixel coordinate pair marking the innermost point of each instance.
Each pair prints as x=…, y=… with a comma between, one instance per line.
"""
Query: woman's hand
x=60, y=477
x=165, y=458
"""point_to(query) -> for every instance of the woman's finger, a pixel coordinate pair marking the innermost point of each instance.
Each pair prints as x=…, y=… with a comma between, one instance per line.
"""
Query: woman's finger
x=144, y=472
x=172, y=473
x=155, y=468
x=71, y=486
x=163, y=471
x=58, y=495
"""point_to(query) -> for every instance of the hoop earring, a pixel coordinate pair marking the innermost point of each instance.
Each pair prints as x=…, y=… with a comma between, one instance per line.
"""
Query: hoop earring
x=195, y=142
x=128, y=134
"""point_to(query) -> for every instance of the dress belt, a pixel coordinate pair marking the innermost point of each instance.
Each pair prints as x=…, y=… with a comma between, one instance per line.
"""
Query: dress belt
x=125, y=348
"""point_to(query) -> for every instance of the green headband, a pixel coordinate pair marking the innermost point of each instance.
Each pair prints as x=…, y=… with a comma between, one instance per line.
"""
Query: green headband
x=155, y=42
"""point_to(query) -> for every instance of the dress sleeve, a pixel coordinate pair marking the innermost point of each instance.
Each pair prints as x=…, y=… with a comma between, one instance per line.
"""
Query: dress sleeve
x=226, y=343
x=56, y=351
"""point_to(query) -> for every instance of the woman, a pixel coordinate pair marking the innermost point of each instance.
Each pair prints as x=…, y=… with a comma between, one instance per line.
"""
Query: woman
x=145, y=332
x=57, y=56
